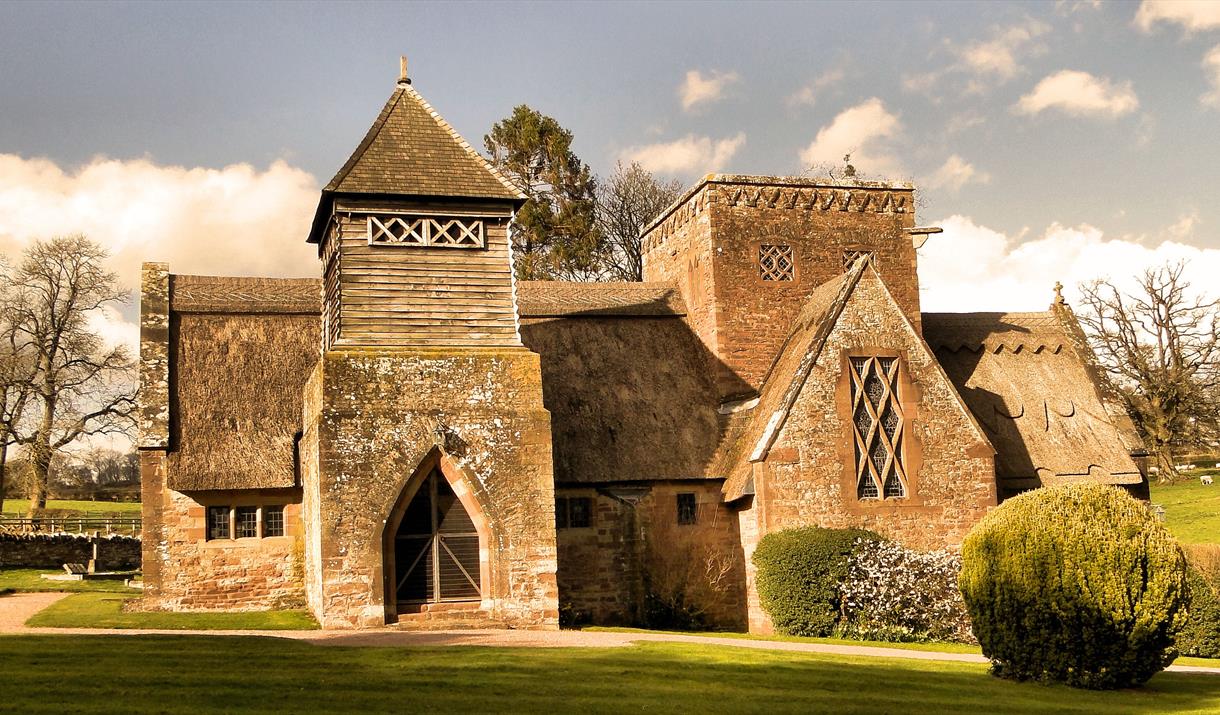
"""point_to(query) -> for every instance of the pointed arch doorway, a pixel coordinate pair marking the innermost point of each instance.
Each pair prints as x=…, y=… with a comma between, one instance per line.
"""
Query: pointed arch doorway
x=435, y=549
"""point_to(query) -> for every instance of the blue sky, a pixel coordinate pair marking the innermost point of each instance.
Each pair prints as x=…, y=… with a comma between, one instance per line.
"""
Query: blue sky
x=1071, y=138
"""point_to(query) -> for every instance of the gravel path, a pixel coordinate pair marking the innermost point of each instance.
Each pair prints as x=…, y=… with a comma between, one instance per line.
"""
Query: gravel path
x=16, y=608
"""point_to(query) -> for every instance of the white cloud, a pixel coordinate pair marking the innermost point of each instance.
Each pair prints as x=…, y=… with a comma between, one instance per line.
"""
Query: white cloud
x=864, y=131
x=690, y=154
x=1080, y=94
x=232, y=221
x=1192, y=15
x=697, y=89
x=1000, y=55
x=955, y=173
x=972, y=267
x=1211, y=65
x=808, y=95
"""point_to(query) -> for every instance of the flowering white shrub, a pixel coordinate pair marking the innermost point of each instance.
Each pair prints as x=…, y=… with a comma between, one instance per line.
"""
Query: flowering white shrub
x=897, y=594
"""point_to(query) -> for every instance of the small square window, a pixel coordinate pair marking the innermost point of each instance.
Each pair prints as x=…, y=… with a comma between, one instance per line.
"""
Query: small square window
x=247, y=522
x=579, y=509
x=775, y=263
x=218, y=522
x=687, y=512
x=273, y=521
x=573, y=512
x=851, y=255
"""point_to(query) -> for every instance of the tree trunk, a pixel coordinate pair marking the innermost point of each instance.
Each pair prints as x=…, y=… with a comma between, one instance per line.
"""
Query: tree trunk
x=1166, y=470
x=3, y=469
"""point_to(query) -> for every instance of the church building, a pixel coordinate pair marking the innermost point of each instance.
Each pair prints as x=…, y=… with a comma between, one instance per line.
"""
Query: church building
x=417, y=438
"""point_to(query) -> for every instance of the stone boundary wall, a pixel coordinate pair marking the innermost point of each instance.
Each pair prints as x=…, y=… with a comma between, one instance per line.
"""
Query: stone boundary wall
x=51, y=551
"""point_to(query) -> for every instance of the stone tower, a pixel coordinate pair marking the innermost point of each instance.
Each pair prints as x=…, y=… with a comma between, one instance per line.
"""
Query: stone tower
x=426, y=450
x=747, y=251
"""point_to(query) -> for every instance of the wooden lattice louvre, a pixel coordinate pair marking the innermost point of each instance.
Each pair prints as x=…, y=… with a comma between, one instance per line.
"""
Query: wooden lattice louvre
x=877, y=427
x=426, y=231
x=775, y=262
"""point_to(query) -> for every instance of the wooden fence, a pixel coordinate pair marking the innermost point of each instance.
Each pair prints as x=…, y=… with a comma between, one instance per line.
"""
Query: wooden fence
x=128, y=525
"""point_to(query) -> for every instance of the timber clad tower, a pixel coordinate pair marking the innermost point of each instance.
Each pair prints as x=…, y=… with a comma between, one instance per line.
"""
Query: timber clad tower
x=417, y=439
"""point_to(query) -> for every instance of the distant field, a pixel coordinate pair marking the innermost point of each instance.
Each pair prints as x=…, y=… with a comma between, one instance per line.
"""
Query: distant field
x=18, y=507
x=1192, y=510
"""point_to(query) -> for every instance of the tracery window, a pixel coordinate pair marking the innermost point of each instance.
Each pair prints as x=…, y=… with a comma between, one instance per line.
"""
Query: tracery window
x=775, y=263
x=433, y=231
x=850, y=256
x=878, y=425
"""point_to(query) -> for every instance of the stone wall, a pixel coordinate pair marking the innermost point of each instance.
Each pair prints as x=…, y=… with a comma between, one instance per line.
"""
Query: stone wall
x=184, y=571
x=371, y=424
x=52, y=551
x=634, y=543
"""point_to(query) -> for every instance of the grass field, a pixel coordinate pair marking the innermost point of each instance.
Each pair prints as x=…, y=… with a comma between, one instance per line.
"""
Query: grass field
x=18, y=507
x=1192, y=510
x=31, y=580
x=104, y=610
x=191, y=674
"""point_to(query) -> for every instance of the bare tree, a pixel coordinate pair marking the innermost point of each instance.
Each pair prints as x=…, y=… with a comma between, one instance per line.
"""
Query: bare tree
x=15, y=378
x=626, y=203
x=1161, y=347
x=79, y=387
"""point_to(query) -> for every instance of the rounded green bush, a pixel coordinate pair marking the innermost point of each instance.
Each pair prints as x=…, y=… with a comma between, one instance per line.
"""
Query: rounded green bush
x=799, y=572
x=1078, y=584
x=1200, y=635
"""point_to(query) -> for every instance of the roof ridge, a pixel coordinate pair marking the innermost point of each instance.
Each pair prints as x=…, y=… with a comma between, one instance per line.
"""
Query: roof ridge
x=444, y=124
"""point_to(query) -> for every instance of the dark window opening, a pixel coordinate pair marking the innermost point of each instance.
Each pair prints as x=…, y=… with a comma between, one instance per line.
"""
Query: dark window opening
x=273, y=521
x=687, y=512
x=247, y=522
x=573, y=512
x=218, y=522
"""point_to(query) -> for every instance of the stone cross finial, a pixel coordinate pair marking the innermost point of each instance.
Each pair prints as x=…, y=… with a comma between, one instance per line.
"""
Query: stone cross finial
x=1059, y=294
x=402, y=70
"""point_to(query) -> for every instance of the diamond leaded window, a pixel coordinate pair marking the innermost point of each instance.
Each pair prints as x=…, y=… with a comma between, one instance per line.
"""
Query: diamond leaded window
x=878, y=428
x=775, y=263
x=434, y=231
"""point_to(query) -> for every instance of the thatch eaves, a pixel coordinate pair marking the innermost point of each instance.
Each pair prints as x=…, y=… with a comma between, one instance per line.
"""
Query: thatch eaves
x=1026, y=382
x=542, y=299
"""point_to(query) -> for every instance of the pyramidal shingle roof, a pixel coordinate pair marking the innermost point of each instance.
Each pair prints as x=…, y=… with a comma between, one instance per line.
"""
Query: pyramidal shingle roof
x=411, y=149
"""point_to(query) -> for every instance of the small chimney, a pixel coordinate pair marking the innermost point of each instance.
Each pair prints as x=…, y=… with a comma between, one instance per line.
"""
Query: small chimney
x=402, y=70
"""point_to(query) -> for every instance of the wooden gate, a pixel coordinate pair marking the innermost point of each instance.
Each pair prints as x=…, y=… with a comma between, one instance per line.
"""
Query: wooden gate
x=436, y=549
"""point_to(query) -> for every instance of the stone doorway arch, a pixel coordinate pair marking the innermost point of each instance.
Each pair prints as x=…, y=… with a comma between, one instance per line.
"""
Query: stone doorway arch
x=435, y=547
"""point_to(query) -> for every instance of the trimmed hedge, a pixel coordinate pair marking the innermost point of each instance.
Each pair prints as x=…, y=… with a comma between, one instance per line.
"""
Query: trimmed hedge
x=1201, y=635
x=1078, y=584
x=799, y=572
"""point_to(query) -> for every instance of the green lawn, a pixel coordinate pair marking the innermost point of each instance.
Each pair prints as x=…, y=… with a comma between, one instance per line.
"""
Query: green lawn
x=191, y=674
x=934, y=647
x=1192, y=510
x=102, y=610
x=31, y=580
x=18, y=507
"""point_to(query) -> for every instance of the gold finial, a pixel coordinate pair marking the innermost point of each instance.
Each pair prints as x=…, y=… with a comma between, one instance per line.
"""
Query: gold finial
x=402, y=70
x=1059, y=294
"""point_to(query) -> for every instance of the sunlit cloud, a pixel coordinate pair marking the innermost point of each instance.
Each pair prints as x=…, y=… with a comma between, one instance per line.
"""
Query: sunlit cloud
x=1080, y=94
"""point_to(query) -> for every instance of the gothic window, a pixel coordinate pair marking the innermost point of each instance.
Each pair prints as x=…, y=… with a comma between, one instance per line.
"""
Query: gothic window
x=850, y=256
x=433, y=231
x=687, y=508
x=878, y=426
x=775, y=263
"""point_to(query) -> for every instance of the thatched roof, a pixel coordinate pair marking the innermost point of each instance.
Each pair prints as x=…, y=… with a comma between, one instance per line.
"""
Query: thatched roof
x=1027, y=382
x=559, y=298
x=241, y=350
x=631, y=398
